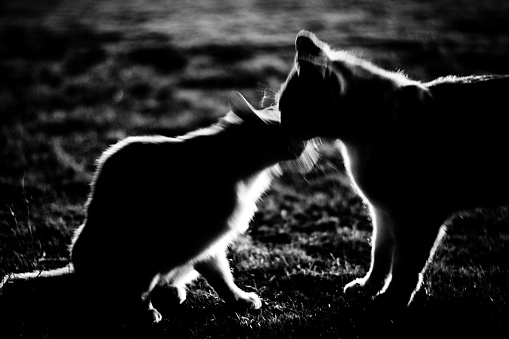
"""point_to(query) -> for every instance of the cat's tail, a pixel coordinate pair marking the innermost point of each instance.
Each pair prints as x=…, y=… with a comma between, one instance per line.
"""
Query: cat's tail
x=41, y=300
x=42, y=277
x=36, y=285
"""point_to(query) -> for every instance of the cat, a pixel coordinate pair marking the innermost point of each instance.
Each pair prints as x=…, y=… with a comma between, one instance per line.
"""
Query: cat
x=415, y=152
x=163, y=210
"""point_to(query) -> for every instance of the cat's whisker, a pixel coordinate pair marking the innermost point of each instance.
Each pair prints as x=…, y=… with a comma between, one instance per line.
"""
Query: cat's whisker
x=331, y=164
x=268, y=95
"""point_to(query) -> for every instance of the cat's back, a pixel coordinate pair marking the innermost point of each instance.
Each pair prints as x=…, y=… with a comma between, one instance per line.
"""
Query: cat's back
x=464, y=99
x=467, y=115
x=458, y=138
x=151, y=181
x=153, y=172
x=482, y=84
x=458, y=114
x=133, y=163
x=143, y=159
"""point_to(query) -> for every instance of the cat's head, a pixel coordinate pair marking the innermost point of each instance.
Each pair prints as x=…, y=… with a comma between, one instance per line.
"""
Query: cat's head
x=308, y=98
x=332, y=93
x=263, y=127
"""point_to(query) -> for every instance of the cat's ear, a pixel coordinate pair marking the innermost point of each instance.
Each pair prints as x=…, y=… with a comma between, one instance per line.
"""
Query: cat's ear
x=241, y=107
x=312, y=55
x=315, y=66
x=244, y=110
x=307, y=43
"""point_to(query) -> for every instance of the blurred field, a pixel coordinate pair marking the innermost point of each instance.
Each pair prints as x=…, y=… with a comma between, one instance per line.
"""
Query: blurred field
x=78, y=76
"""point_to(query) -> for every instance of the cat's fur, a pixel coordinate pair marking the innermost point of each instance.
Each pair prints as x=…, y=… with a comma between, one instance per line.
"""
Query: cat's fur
x=163, y=210
x=416, y=152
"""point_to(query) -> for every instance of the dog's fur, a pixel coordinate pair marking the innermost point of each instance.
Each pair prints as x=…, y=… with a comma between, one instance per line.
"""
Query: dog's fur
x=416, y=152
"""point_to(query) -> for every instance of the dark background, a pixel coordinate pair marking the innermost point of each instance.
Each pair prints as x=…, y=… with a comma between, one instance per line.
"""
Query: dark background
x=76, y=76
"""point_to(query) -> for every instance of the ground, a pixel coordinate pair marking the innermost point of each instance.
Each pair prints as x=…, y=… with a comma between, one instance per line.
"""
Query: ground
x=78, y=76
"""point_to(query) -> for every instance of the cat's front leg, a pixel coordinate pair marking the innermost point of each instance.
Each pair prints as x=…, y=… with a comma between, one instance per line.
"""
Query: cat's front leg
x=149, y=313
x=416, y=238
x=218, y=274
x=381, y=255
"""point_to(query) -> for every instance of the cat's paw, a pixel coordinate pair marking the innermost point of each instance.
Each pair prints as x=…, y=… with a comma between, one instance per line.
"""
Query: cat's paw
x=181, y=294
x=154, y=316
x=361, y=286
x=248, y=300
x=142, y=317
x=168, y=295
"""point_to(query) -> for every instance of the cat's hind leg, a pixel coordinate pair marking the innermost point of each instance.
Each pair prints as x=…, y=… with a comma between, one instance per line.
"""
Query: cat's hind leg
x=216, y=270
x=381, y=255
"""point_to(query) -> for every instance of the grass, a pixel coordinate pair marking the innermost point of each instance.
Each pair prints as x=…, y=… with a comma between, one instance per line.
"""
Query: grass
x=76, y=78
